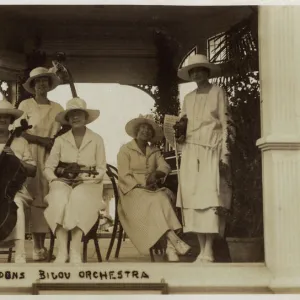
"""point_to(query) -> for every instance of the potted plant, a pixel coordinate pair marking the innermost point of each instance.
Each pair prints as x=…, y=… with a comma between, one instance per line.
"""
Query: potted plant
x=244, y=220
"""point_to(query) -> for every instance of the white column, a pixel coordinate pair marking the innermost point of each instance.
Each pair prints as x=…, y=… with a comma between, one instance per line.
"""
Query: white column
x=279, y=46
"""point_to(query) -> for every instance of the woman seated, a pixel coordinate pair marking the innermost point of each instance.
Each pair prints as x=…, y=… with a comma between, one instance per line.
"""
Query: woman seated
x=20, y=149
x=74, y=204
x=146, y=211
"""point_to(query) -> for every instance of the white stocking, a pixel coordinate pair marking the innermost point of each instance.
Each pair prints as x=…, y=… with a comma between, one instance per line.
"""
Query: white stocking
x=62, y=237
x=208, y=249
x=202, y=241
x=76, y=240
x=20, y=247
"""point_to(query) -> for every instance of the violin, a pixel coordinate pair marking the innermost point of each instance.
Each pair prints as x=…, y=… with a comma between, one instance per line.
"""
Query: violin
x=180, y=127
x=72, y=170
x=12, y=177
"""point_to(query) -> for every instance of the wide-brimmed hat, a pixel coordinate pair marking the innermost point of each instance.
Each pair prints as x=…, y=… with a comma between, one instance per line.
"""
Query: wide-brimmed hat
x=132, y=125
x=41, y=72
x=195, y=61
x=75, y=104
x=8, y=109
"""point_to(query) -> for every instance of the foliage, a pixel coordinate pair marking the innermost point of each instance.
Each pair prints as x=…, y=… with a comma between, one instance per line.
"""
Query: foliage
x=166, y=93
x=238, y=51
x=245, y=219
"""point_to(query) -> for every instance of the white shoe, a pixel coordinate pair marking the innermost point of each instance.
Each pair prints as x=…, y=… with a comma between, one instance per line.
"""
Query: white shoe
x=39, y=255
x=61, y=258
x=20, y=258
x=172, y=255
x=198, y=258
x=181, y=247
x=207, y=259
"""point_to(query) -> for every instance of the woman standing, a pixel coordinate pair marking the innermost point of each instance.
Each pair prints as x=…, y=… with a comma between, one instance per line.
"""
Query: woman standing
x=146, y=211
x=204, y=147
x=41, y=113
x=74, y=205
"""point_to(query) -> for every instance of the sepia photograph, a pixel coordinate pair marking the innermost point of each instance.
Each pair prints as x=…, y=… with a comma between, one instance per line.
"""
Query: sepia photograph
x=149, y=149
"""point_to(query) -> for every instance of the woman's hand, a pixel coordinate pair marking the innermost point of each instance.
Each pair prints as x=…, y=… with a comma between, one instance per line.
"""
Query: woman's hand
x=9, y=151
x=224, y=169
x=45, y=142
x=64, y=180
x=224, y=160
x=151, y=178
x=181, y=139
x=152, y=187
x=147, y=187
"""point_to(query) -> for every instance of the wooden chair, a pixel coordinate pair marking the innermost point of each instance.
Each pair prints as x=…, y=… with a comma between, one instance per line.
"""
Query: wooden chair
x=112, y=173
x=91, y=235
x=9, y=253
x=158, y=249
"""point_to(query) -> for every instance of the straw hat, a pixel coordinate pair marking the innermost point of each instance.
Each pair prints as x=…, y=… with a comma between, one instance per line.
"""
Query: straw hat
x=132, y=125
x=75, y=104
x=198, y=60
x=8, y=109
x=41, y=72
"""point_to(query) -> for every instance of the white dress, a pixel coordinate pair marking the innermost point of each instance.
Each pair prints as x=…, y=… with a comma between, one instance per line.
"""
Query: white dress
x=145, y=215
x=79, y=206
x=204, y=147
x=42, y=119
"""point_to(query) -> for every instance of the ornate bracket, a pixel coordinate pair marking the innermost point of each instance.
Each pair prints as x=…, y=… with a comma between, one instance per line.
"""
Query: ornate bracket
x=149, y=89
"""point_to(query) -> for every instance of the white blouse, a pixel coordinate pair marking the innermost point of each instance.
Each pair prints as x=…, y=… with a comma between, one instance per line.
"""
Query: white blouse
x=207, y=119
x=134, y=166
x=90, y=154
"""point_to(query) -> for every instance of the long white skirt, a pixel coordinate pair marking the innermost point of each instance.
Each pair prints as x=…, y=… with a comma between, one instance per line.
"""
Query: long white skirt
x=202, y=190
x=77, y=207
x=146, y=216
x=203, y=221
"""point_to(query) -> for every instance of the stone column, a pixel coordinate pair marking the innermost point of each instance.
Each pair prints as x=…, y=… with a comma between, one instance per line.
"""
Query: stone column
x=279, y=46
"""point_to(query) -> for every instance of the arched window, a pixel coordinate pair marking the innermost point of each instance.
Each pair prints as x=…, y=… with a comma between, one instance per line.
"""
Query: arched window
x=184, y=61
x=215, y=53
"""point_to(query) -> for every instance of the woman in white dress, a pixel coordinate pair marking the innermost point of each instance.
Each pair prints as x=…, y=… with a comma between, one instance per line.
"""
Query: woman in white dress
x=41, y=113
x=204, y=147
x=20, y=149
x=146, y=211
x=75, y=205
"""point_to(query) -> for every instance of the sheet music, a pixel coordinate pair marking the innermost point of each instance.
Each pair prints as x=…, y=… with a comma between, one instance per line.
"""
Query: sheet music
x=169, y=132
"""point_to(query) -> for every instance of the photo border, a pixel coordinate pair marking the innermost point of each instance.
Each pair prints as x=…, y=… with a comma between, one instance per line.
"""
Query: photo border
x=162, y=287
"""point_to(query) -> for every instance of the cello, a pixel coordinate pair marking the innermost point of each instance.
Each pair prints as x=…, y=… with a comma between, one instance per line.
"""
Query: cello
x=65, y=76
x=12, y=177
